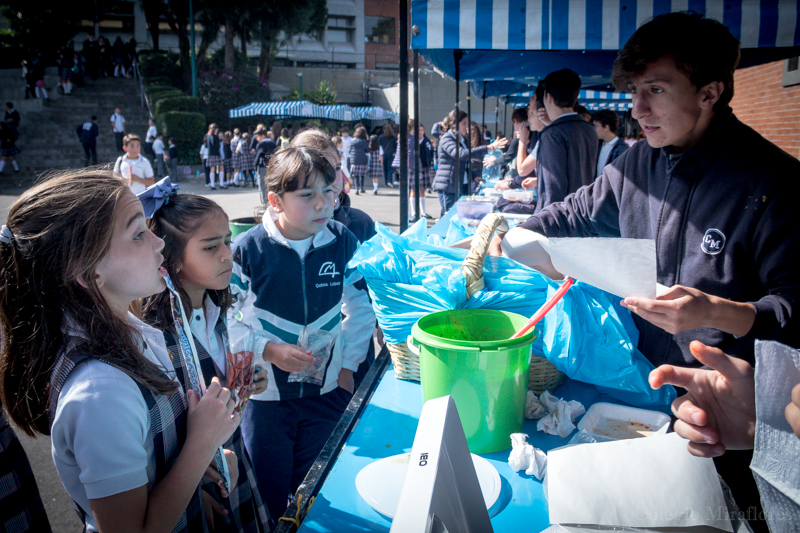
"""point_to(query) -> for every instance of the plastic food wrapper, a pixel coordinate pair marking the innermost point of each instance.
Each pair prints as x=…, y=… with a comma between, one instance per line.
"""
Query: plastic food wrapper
x=240, y=368
x=525, y=457
x=320, y=343
x=776, y=445
x=412, y=275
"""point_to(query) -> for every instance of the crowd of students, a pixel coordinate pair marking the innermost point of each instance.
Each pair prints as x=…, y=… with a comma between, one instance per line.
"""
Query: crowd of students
x=95, y=348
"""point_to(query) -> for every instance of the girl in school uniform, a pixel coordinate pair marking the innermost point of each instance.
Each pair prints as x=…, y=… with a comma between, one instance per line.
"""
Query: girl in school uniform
x=248, y=160
x=375, y=170
x=197, y=256
x=128, y=444
x=357, y=155
x=215, y=165
x=227, y=160
x=236, y=161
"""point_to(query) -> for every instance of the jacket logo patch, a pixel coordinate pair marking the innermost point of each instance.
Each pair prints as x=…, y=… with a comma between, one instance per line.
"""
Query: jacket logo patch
x=713, y=242
x=328, y=269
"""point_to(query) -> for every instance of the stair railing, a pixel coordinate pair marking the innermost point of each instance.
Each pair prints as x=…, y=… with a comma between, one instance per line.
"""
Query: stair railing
x=145, y=101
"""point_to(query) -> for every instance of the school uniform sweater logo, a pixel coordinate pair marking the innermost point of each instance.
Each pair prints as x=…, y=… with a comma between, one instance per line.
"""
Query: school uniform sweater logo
x=713, y=241
x=328, y=268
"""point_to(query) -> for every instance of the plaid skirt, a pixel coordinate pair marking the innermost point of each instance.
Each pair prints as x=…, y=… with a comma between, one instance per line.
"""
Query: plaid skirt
x=214, y=161
x=228, y=164
x=21, y=506
x=358, y=171
x=248, y=161
x=424, y=182
x=375, y=168
x=10, y=151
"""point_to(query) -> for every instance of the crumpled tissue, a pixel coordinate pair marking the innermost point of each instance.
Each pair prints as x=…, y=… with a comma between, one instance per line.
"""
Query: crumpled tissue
x=561, y=414
x=525, y=457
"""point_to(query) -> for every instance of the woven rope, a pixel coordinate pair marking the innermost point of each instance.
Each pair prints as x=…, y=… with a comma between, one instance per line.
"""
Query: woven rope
x=472, y=268
x=542, y=375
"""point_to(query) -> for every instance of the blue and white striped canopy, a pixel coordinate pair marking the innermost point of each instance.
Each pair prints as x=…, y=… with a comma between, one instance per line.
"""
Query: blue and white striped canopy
x=307, y=109
x=507, y=41
x=586, y=24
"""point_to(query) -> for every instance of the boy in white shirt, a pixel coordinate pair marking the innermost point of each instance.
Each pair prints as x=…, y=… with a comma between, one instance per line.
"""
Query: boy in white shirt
x=118, y=123
x=158, y=149
x=133, y=166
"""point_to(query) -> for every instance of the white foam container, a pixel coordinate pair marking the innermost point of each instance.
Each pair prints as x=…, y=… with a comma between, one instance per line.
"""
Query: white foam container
x=518, y=196
x=605, y=413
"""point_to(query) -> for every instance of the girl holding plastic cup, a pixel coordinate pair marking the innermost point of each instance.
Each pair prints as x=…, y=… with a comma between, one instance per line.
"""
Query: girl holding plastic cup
x=197, y=257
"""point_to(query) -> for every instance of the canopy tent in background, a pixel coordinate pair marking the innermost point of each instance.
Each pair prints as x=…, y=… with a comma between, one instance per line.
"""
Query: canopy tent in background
x=591, y=100
x=308, y=110
x=524, y=40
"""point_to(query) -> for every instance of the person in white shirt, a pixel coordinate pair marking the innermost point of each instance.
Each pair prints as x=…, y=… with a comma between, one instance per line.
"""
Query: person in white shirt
x=346, y=140
x=149, y=138
x=158, y=150
x=118, y=123
x=133, y=167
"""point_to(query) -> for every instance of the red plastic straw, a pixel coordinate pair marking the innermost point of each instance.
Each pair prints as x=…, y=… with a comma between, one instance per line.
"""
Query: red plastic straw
x=543, y=310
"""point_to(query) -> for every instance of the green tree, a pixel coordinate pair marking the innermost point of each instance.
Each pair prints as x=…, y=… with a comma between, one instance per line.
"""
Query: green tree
x=40, y=26
x=280, y=20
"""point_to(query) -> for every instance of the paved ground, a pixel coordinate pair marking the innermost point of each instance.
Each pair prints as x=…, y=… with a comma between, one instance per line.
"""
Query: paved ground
x=242, y=202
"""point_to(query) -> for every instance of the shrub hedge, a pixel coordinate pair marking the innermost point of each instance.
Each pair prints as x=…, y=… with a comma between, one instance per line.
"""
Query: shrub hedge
x=189, y=104
x=187, y=129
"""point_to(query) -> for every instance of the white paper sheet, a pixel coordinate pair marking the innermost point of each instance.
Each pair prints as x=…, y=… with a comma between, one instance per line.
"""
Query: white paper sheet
x=623, y=267
x=645, y=483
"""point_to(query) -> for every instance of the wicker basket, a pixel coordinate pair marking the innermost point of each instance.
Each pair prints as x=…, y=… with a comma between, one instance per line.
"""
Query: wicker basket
x=542, y=375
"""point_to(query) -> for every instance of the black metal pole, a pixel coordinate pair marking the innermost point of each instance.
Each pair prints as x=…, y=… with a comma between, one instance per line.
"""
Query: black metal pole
x=457, y=57
x=468, y=187
x=496, y=115
x=483, y=109
x=505, y=115
x=417, y=138
x=403, y=145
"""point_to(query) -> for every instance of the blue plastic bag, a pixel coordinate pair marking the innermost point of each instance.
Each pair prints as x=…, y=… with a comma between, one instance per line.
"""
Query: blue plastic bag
x=587, y=335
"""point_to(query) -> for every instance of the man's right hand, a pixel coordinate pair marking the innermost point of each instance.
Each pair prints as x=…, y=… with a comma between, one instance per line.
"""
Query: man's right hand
x=502, y=185
x=287, y=357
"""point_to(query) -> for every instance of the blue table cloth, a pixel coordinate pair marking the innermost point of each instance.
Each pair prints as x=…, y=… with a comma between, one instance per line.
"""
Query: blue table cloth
x=387, y=427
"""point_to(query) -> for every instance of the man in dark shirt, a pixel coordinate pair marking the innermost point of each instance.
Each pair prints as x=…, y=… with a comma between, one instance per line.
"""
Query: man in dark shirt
x=567, y=155
x=715, y=196
x=87, y=134
x=264, y=150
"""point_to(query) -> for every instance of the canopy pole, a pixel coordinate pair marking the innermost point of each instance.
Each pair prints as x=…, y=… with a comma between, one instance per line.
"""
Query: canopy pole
x=457, y=57
x=483, y=109
x=416, y=134
x=403, y=146
x=496, y=115
x=505, y=115
x=468, y=188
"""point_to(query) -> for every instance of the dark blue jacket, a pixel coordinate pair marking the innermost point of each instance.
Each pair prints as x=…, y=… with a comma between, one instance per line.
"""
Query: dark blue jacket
x=724, y=220
x=88, y=132
x=264, y=151
x=617, y=150
x=358, y=150
x=567, y=158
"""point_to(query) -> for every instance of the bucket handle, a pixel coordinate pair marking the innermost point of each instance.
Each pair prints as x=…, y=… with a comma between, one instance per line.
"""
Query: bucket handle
x=413, y=348
x=472, y=268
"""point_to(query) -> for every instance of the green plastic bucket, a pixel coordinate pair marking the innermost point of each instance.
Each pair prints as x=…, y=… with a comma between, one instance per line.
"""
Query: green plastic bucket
x=240, y=225
x=467, y=354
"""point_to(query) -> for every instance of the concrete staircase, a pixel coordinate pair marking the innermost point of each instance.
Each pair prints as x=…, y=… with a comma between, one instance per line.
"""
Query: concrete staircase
x=47, y=135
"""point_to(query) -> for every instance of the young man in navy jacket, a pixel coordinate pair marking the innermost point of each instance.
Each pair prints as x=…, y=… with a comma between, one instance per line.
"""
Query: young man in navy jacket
x=568, y=145
x=717, y=198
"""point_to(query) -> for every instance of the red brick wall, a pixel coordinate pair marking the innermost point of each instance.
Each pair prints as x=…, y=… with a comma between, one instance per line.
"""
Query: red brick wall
x=763, y=104
x=382, y=53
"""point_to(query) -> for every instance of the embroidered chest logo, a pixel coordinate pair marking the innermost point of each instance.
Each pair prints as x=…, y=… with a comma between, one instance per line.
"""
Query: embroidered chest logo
x=713, y=242
x=328, y=269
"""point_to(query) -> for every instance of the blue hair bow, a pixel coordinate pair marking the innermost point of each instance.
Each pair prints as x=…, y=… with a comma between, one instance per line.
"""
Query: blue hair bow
x=157, y=195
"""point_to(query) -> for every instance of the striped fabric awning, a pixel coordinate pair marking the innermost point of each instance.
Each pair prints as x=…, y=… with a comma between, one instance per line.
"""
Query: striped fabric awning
x=586, y=24
x=344, y=113
x=508, y=41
